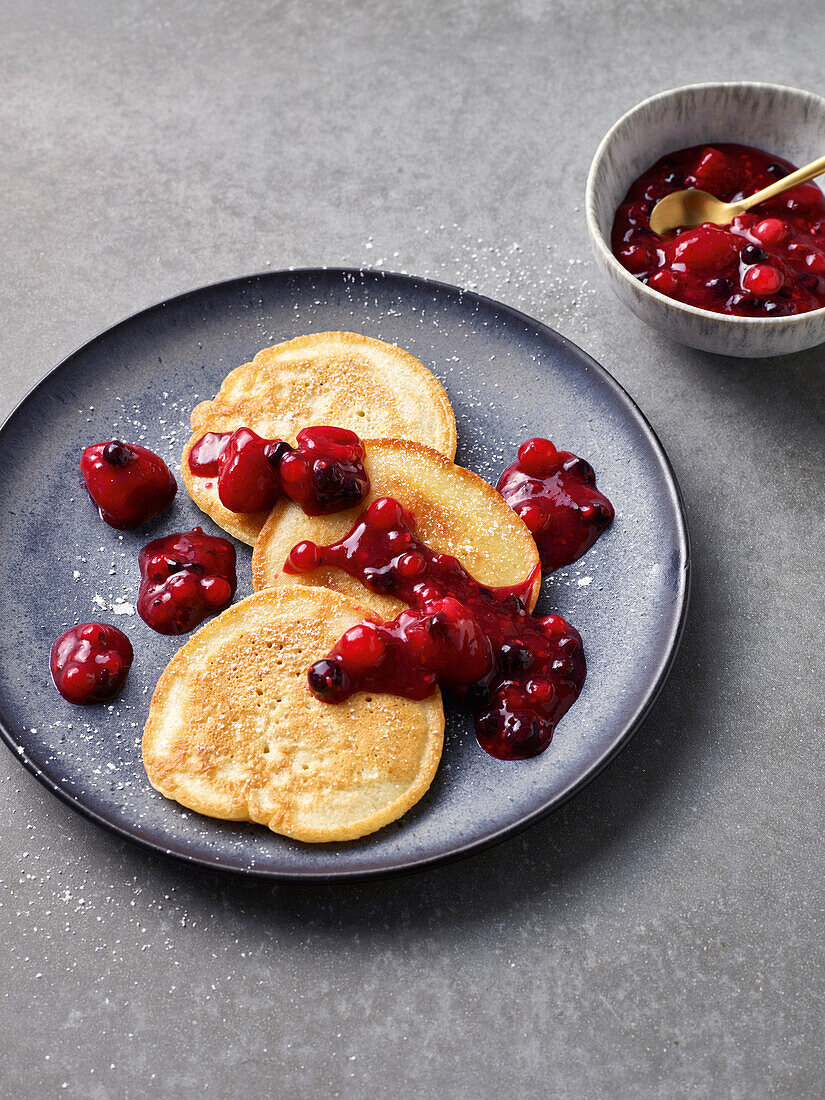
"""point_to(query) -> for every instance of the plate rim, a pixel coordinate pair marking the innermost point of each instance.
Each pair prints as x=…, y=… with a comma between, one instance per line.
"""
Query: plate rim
x=405, y=866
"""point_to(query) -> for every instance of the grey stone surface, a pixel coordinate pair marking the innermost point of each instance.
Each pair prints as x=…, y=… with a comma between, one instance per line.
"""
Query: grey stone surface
x=662, y=934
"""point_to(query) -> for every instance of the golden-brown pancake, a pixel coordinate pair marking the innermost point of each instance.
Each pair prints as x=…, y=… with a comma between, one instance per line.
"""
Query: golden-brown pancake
x=338, y=379
x=234, y=732
x=457, y=513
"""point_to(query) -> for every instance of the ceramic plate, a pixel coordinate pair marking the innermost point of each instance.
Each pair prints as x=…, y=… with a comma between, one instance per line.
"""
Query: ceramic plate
x=508, y=378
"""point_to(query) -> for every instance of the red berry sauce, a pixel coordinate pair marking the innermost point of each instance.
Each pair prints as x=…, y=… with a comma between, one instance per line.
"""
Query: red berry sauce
x=555, y=493
x=324, y=472
x=184, y=578
x=769, y=262
x=89, y=663
x=129, y=483
x=518, y=673
x=248, y=477
x=205, y=452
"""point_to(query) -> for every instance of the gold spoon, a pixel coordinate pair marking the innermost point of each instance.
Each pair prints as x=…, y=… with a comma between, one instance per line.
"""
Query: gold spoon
x=694, y=207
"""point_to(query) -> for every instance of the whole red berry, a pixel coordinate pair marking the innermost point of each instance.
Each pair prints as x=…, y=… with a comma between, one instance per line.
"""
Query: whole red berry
x=304, y=557
x=770, y=231
x=539, y=457
x=762, y=280
x=362, y=646
x=385, y=513
x=665, y=282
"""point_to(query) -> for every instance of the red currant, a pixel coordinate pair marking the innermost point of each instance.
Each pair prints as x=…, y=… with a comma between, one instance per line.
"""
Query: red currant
x=539, y=457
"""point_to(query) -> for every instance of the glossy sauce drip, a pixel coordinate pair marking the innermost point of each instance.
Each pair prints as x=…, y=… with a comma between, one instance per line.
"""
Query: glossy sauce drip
x=768, y=262
x=555, y=493
x=204, y=454
x=516, y=672
x=184, y=578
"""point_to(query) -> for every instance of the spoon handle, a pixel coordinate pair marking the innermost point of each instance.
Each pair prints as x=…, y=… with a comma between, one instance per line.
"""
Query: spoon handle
x=801, y=175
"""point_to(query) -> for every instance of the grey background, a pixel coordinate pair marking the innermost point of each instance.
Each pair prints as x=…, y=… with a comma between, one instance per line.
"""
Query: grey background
x=662, y=934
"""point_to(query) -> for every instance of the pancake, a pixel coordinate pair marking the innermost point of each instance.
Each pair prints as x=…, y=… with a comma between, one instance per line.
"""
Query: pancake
x=234, y=732
x=457, y=513
x=338, y=379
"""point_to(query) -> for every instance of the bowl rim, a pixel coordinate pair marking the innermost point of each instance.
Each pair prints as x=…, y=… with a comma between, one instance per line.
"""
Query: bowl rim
x=654, y=296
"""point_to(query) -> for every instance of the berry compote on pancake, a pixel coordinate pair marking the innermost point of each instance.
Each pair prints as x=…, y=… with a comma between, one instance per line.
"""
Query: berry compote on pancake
x=323, y=472
x=517, y=672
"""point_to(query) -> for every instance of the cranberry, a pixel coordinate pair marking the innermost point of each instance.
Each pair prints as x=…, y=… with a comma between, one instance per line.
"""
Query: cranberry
x=695, y=265
x=362, y=646
x=184, y=578
x=803, y=197
x=449, y=640
x=539, y=458
x=762, y=280
x=533, y=516
x=323, y=473
x=247, y=480
x=89, y=663
x=771, y=231
x=304, y=557
x=665, y=282
x=564, y=510
x=385, y=514
x=410, y=565
x=129, y=483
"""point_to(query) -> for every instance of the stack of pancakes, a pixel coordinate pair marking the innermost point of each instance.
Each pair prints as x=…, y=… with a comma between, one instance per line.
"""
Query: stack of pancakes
x=233, y=730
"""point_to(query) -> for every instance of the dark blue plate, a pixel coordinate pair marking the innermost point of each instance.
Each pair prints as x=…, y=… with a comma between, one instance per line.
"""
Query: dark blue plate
x=508, y=378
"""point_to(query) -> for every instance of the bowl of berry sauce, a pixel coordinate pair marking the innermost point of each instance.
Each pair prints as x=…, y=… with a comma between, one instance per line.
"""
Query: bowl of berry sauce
x=752, y=289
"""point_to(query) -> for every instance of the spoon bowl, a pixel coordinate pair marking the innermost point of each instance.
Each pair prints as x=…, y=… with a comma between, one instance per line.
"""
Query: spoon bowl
x=686, y=209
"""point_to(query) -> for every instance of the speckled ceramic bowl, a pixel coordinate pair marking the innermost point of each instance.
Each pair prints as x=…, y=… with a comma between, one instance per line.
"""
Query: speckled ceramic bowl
x=784, y=121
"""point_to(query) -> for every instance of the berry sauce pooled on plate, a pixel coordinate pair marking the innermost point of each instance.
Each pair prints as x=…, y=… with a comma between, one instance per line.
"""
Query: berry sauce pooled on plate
x=516, y=672
x=769, y=262
x=129, y=484
x=184, y=578
x=554, y=493
x=89, y=663
x=323, y=472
